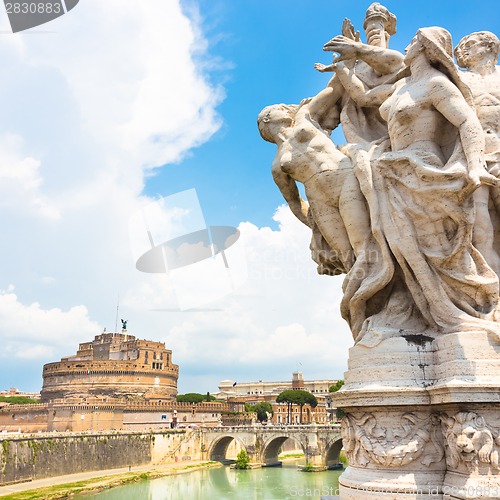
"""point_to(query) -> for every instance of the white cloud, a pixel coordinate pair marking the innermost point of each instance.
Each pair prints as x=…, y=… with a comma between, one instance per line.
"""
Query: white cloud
x=20, y=179
x=285, y=314
x=28, y=351
x=110, y=91
x=29, y=330
x=130, y=69
x=87, y=111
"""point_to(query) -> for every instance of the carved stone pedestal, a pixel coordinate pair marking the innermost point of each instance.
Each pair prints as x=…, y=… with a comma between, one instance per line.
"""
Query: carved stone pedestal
x=422, y=418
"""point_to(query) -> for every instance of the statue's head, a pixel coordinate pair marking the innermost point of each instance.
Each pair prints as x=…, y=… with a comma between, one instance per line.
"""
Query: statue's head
x=272, y=119
x=435, y=40
x=379, y=25
x=477, y=48
x=436, y=44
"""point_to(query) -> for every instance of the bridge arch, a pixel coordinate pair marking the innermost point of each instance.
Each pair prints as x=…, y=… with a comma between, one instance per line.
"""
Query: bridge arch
x=271, y=449
x=332, y=456
x=218, y=449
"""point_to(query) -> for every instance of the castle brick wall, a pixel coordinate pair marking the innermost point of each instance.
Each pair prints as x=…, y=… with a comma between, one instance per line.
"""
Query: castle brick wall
x=96, y=415
x=113, y=365
x=108, y=378
x=25, y=418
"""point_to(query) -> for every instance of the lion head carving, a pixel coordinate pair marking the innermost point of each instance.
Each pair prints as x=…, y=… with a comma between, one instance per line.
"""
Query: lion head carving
x=470, y=441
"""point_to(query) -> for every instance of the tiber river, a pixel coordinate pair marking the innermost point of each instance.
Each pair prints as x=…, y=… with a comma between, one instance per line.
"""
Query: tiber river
x=269, y=483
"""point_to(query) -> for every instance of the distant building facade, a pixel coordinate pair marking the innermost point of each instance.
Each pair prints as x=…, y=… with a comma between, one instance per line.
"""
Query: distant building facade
x=254, y=392
x=14, y=391
x=258, y=390
x=114, y=365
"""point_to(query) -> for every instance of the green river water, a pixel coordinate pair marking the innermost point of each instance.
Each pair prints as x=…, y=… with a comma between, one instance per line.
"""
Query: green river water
x=270, y=483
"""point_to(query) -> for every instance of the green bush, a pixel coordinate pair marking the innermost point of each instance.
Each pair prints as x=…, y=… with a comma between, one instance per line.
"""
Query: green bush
x=194, y=397
x=18, y=400
x=336, y=387
x=242, y=460
x=340, y=413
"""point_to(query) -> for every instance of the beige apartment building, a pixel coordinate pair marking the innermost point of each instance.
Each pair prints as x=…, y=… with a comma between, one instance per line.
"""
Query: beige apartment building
x=254, y=392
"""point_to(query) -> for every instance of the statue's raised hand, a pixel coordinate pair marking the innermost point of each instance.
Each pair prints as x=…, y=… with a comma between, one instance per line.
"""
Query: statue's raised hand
x=347, y=48
x=320, y=67
x=348, y=30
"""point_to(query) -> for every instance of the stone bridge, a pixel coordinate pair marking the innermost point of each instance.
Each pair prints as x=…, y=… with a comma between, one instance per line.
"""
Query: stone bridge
x=321, y=444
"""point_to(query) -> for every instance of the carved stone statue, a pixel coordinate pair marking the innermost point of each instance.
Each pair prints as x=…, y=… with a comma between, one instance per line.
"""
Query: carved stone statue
x=367, y=440
x=306, y=154
x=409, y=210
x=423, y=184
x=478, y=53
x=374, y=62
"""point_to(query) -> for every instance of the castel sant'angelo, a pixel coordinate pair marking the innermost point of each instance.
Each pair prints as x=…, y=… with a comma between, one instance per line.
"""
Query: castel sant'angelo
x=113, y=365
x=115, y=381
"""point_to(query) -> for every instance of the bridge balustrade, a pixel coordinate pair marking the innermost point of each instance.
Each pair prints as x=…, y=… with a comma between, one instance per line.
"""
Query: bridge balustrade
x=269, y=428
x=321, y=443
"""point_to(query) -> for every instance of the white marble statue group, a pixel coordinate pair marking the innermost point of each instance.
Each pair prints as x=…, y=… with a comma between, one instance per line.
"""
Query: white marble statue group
x=409, y=208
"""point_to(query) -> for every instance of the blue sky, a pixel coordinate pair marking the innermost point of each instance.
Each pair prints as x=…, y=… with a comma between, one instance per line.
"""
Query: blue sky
x=119, y=104
x=266, y=52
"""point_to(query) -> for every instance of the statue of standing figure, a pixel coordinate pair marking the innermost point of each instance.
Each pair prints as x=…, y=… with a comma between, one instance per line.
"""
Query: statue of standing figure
x=478, y=54
x=408, y=207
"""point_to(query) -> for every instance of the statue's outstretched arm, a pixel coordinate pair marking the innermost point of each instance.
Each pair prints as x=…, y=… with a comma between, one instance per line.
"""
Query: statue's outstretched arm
x=324, y=69
x=321, y=102
x=323, y=107
x=383, y=61
x=363, y=96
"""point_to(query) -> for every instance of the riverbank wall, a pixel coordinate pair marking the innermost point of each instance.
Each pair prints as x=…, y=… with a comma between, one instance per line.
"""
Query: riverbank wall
x=26, y=458
x=96, y=415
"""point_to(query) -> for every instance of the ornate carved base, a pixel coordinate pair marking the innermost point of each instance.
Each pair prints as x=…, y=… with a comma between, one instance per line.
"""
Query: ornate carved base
x=385, y=483
x=422, y=419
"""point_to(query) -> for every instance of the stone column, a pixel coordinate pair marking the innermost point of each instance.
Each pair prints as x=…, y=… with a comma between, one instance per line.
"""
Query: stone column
x=314, y=456
x=466, y=394
x=422, y=418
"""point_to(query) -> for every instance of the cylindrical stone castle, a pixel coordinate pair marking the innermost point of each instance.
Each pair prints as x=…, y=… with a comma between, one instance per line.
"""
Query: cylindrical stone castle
x=116, y=365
